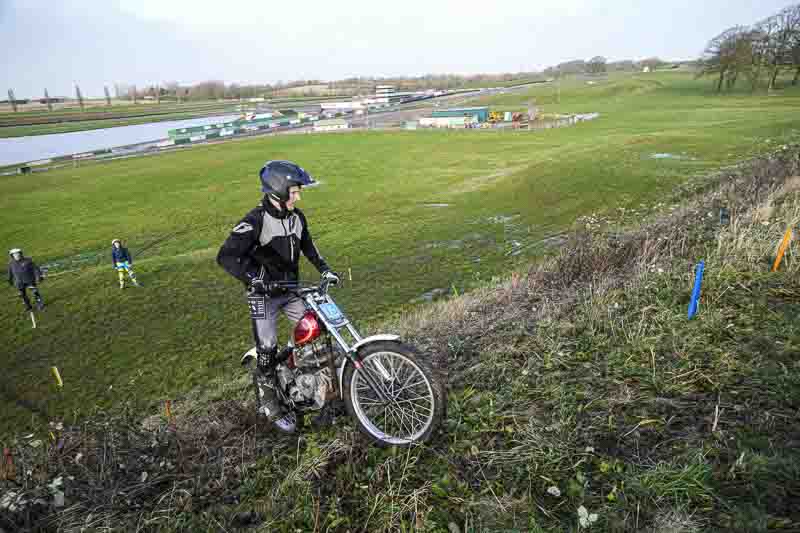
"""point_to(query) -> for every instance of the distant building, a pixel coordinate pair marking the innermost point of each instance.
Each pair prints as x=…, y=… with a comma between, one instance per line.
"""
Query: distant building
x=341, y=106
x=331, y=124
x=387, y=94
x=448, y=122
x=481, y=114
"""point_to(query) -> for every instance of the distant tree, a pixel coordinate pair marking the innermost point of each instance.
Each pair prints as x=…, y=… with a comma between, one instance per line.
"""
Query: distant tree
x=596, y=65
x=795, y=54
x=782, y=29
x=625, y=65
x=577, y=66
x=652, y=63
x=207, y=90
x=12, y=100
x=720, y=55
x=171, y=89
x=79, y=96
x=234, y=90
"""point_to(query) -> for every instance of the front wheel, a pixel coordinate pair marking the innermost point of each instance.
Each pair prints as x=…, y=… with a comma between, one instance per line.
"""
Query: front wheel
x=412, y=406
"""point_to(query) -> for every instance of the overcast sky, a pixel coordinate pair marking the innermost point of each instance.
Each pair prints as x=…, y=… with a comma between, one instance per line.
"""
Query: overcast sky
x=54, y=43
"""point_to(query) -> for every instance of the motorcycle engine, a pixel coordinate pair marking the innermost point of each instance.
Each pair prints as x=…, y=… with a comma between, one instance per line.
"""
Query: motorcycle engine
x=308, y=383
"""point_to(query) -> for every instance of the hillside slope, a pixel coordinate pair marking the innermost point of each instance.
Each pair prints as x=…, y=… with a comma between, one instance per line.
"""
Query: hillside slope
x=581, y=398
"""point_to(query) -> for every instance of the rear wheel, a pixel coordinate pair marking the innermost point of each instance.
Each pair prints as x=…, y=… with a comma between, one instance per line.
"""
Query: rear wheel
x=413, y=403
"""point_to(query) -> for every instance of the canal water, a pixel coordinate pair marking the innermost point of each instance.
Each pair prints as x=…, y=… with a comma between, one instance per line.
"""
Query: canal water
x=37, y=147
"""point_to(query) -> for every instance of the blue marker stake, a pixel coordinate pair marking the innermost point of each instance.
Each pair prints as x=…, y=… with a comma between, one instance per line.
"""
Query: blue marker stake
x=698, y=280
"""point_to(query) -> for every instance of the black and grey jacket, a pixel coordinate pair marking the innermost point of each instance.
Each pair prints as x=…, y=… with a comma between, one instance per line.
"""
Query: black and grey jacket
x=23, y=273
x=266, y=244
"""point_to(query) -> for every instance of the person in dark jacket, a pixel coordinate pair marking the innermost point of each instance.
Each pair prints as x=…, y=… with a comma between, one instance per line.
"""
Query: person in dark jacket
x=24, y=274
x=122, y=262
x=262, y=249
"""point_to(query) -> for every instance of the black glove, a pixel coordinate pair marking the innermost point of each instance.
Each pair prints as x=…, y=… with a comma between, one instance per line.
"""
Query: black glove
x=265, y=288
x=257, y=286
x=331, y=277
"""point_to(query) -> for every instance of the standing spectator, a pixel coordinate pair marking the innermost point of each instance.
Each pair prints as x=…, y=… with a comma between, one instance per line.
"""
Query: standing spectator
x=23, y=274
x=122, y=261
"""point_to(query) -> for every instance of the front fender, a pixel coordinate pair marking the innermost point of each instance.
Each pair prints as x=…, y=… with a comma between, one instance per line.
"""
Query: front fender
x=252, y=353
x=354, y=349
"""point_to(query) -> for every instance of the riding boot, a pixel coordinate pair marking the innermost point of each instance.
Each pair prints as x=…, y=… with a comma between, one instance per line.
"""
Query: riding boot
x=267, y=403
x=25, y=300
x=266, y=399
x=39, y=300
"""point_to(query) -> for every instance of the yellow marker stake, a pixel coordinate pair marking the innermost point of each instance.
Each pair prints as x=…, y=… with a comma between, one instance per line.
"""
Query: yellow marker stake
x=33, y=319
x=787, y=237
x=56, y=375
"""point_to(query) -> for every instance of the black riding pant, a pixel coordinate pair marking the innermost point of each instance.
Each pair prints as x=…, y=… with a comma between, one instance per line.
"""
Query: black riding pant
x=24, y=295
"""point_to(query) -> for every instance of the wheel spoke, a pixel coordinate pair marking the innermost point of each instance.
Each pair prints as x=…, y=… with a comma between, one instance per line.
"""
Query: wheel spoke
x=403, y=407
x=416, y=405
x=402, y=419
x=411, y=414
x=420, y=382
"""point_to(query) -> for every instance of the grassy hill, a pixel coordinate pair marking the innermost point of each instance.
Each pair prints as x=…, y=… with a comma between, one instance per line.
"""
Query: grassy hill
x=507, y=195
x=580, y=374
x=581, y=398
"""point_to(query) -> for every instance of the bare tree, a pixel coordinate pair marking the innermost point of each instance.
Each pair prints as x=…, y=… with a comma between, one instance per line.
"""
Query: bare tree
x=108, y=96
x=47, y=100
x=12, y=100
x=79, y=96
x=782, y=29
x=172, y=89
x=207, y=90
x=652, y=63
x=623, y=65
x=596, y=65
x=720, y=55
x=795, y=53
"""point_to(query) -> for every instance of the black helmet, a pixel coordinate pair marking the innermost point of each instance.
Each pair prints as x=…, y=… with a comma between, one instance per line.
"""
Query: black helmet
x=278, y=176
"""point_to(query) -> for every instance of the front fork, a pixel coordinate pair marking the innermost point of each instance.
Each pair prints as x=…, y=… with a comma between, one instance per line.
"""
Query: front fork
x=352, y=356
x=370, y=377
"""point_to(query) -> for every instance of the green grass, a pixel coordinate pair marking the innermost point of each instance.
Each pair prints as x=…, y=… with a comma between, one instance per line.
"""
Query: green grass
x=189, y=323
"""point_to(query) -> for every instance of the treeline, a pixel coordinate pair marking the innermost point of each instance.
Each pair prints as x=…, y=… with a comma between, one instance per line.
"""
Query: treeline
x=362, y=85
x=600, y=64
x=206, y=90
x=365, y=85
x=757, y=53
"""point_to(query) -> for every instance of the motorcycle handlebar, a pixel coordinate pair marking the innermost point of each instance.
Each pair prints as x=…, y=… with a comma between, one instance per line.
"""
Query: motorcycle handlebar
x=305, y=287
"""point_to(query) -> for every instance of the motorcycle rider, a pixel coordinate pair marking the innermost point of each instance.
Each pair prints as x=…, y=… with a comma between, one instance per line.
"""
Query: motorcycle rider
x=23, y=274
x=262, y=249
x=123, y=262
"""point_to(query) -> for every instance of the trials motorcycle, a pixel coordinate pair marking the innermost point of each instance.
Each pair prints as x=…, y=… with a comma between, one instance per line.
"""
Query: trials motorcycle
x=387, y=387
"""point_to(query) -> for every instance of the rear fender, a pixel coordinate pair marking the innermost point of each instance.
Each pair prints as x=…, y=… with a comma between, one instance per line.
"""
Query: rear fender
x=355, y=348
